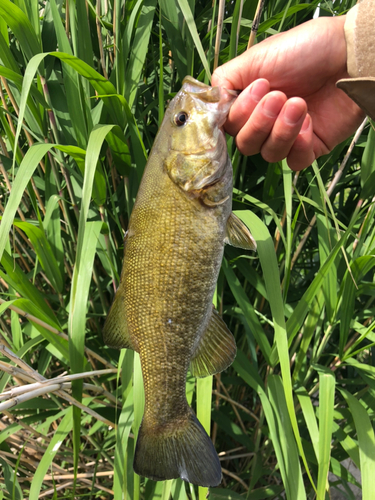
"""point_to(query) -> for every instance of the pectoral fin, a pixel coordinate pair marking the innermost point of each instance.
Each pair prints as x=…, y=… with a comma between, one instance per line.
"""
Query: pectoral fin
x=115, y=331
x=238, y=235
x=216, y=349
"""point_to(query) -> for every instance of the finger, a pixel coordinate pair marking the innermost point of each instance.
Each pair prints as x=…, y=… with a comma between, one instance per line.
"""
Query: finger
x=258, y=127
x=302, y=153
x=245, y=104
x=285, y=130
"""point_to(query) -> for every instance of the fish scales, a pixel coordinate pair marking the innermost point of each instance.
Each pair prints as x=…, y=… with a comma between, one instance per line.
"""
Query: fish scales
x=153, y=274
x=163, y=306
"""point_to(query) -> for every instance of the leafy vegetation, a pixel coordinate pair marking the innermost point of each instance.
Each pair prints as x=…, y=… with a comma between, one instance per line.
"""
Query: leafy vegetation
x=83, y=89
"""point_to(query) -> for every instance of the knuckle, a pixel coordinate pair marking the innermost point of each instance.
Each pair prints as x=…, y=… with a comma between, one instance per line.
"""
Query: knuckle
x=259, y=130
x=283, y=136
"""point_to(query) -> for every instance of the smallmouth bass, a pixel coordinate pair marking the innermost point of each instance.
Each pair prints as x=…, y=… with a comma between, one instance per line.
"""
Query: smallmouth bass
x=173, y=251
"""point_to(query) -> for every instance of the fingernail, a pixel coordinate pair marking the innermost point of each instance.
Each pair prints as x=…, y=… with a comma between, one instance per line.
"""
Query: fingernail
x=293, y=114
x=258, y=90
x=306, y=124
x=272, y=106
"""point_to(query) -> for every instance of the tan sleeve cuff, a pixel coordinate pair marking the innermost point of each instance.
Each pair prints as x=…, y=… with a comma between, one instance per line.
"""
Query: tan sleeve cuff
x=360, y=39
x=360, y=44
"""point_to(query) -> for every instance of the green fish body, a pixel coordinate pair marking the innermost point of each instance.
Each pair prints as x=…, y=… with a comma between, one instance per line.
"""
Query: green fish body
x=173, y=251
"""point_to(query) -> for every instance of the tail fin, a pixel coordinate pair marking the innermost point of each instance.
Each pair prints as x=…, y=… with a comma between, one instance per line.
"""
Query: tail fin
x=183, y=451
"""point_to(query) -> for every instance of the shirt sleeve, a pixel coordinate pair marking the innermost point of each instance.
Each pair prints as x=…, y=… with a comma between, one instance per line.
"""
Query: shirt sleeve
x=360, y=42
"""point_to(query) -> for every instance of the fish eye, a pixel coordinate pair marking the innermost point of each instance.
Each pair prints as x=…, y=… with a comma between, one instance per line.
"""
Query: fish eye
x=181, y=118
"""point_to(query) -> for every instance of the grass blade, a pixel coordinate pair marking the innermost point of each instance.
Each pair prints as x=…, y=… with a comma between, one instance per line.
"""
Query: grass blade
x=44, y=253
x=248, y=310
x=20, y=25
x=139, y=403
x=59, y=436
x=326, y=405
x=185, y=8
x=26, y=170
x=293, y=474
x=309, y=415
x=139, y=50
x=366, y=444
x=204, y=399
x=123, y=430
x=172, y=22
x=268, y=261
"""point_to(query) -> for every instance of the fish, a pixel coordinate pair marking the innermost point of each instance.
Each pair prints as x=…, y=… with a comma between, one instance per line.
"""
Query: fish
x=173, y=249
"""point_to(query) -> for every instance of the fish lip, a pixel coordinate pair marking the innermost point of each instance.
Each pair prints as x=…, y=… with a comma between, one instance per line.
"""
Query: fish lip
x=233, y=92
x=213, y=94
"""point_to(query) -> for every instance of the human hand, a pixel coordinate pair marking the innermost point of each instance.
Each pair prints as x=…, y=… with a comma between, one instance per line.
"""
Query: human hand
x=290, y=106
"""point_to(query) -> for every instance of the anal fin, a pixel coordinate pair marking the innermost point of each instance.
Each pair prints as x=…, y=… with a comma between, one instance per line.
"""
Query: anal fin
x=115, y=331
x=238, y=235
x=216, y=349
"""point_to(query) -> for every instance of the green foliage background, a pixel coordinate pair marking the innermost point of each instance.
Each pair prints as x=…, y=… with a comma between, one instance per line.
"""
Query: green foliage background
x=83, y=89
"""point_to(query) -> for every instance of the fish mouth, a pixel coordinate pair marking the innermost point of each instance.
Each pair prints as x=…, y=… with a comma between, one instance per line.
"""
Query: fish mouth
x=203, y=151
x=201, y=90
x=218, y=99
x=234, y=93
x=211, y=148
x=213, y=94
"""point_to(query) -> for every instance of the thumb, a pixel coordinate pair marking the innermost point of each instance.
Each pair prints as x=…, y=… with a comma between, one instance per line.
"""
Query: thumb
x=238, y=73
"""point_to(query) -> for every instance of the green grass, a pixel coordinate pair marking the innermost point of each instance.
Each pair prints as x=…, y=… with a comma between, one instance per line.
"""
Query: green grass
x=83, y=94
